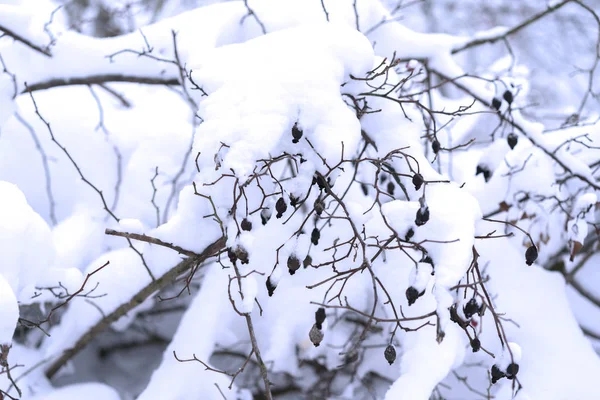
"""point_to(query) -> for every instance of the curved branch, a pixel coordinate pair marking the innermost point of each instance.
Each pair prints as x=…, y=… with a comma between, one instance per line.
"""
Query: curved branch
x=10, y=33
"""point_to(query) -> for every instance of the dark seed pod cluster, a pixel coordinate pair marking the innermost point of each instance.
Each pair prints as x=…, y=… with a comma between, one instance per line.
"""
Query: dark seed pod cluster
x=241, y=254
x=315, y=236
x=280, y=207
x=511, y=372
x=454, y=317
x=246, y=225
x=293, y=264
x=412, y=294
x=512, y=140
x=531, y=255
x=316, y=335
x=296, y=133
x=320, y=317
x=435, y=146
x=422, y=216
x=508, y=96
x=390, y=353
x=294, y=200
x=418, y=181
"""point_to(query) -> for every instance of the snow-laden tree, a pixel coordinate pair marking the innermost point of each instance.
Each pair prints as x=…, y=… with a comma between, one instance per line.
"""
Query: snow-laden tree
x=289, y=199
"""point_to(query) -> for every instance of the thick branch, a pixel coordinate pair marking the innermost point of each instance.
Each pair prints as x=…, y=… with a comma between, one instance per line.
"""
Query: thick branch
x=26, y=42
x=136, y=300
x=513, y=30
x=152, y=240
x=99, y=79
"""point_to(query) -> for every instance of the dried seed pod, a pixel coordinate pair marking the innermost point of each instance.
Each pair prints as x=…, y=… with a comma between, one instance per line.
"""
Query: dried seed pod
x=294, y=200
x=409, y=234
x=435, y=146
x=508, y=96
x=293, y=264
x=391, y=188
x=316, y=335
x=246, y=225
x=475, y=345
x=241, y=254
x=496, y=103
x=422, y=216
x=531, y=255
x=307, y=261
x=319, y=206
x=365, y=189
x=315, y=236
x=320, y=182
x=390, y=354
x=231, y=255
x=512, y=370
x=428, y=260
x=320, y=317
x=270, y=286
x=471, y=308
x=482, y=169
x=512, y=140
x=412, y=295
x=418, y=181
x=280, y=207
x=497, y=374
x=265, y=215
x=296, y=133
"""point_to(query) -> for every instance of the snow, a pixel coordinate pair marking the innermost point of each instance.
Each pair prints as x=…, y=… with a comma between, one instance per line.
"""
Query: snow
x=150, y=152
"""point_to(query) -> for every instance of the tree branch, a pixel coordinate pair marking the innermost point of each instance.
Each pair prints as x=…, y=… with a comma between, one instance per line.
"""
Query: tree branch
x=99, y=79
x=19, y=38
x=136, y=300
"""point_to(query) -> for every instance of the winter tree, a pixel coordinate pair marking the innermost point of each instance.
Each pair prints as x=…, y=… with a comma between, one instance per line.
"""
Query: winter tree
x=298, y=199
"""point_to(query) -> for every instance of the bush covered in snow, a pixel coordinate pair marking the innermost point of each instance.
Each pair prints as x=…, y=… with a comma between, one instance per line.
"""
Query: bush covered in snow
x=289, y=199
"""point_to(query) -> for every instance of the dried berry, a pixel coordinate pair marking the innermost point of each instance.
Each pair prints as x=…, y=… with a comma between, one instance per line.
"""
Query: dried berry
x=508, y=96
x=512, y=140
x=280, y=207
x=364, y=188
x=497, y=374
x=475, y=345
x=241, y=254
x=391, y=188
x=315, y=236
x=316, y=335
x=482, y=169
x=422, y=216
x=456, y=319
x=383, y=178
x=296, y=133
x=231, y=255
x=412, y=295
x=512, y=370
x=320, y=182
x=294, y=200
x=435, y=146
x=409, y=234
x=293, y=264
x=531, y=255
x=427, y=259
x=319, y=206
x=320, y=317
x=270, y=286
x=418, y=181
x=390, y=354
x=307, y=261
x=496, y=103
x=265, y=215
x=471, y=308
x=246, y=225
